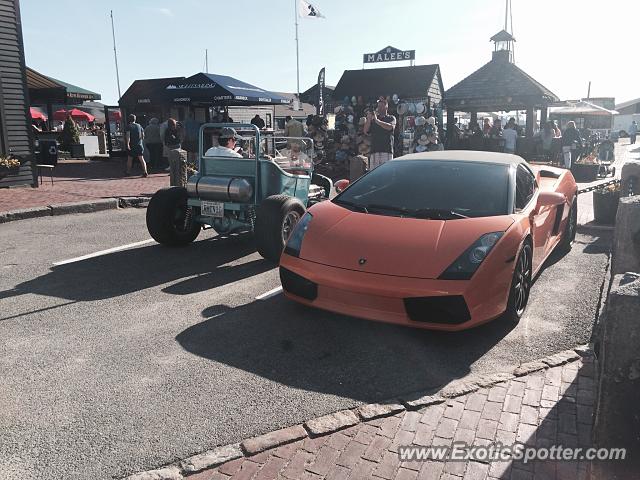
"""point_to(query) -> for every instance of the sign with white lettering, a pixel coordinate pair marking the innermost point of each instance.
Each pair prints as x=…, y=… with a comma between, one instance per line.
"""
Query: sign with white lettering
x=389, y=54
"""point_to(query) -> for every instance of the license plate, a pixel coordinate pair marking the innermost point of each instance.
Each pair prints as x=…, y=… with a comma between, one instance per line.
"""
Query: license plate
x=212, y=209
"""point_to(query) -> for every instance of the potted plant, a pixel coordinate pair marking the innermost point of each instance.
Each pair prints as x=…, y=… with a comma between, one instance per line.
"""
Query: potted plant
x=70, y=139
x=8, y=166
x=605, y=204
x=585, y=169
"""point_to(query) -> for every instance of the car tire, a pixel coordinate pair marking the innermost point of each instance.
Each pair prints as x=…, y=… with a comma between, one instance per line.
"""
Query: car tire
x=167, y=218
x=520, y=285
x=569, y=234
x=275, y=220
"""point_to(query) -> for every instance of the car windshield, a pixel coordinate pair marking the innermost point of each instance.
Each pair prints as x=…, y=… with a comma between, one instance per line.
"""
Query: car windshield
x=445, y=190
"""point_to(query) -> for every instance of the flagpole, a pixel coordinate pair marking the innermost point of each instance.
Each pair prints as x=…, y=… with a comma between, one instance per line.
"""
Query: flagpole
x=115, y=54
x=295, y=7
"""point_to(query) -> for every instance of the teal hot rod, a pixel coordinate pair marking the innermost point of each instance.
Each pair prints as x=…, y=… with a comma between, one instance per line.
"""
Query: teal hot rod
x=265, y=192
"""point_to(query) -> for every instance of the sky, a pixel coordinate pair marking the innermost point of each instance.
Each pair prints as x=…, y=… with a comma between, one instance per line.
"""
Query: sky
x=563, y=44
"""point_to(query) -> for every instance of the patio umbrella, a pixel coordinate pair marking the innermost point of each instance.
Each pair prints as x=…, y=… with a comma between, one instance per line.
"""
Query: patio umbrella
x=60, y=115
x=80, y=115
x=37, y=114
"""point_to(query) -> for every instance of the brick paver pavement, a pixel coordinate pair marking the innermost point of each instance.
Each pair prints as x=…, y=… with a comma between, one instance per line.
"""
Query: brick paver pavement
x=542, y=409
x=77, y=181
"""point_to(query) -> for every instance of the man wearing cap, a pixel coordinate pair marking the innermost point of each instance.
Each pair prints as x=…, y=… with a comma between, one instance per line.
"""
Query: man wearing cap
x=381, y=126
x=226, y=144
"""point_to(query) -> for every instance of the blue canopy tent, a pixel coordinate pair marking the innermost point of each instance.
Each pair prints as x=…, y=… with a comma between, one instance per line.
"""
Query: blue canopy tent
x=219, y=90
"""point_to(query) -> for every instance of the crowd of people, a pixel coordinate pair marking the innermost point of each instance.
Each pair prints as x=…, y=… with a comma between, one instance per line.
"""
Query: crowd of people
x=377, y=130
x=506, y=138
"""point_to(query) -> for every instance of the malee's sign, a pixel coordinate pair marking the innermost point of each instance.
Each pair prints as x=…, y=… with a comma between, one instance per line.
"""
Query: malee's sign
x=389, y=54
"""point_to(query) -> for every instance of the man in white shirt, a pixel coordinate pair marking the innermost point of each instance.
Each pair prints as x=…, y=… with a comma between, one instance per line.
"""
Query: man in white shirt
x=510, y=135
x=226, y=144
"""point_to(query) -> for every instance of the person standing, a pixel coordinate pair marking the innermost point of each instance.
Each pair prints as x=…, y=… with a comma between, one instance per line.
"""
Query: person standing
x=153, y=143
x=510, y=136
x=258, y=122
x=177, y=156
x=546, y=137
x=134, y=138
x=380, y=125
x=633, y=131
x=570, y=141
x=486, y=126
x=292, y=127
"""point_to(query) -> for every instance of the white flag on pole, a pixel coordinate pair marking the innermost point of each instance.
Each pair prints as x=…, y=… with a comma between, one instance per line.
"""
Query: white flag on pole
x=306, y=10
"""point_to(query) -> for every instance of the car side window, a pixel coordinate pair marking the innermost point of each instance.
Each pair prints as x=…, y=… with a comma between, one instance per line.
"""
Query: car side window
x=525, y=187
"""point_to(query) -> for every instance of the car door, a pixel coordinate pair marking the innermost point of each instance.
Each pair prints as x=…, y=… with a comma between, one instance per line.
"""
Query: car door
x=526, y=189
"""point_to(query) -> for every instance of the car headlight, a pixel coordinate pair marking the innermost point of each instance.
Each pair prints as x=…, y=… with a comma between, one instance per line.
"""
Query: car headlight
x=294, y=243
x=467, y=263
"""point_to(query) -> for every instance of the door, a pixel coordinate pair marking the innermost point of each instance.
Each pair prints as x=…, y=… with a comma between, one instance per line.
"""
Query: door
x=526, y=187
x=115, y=124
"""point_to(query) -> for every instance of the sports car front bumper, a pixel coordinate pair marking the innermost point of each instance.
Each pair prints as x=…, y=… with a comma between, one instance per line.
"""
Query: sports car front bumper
x=422, y=303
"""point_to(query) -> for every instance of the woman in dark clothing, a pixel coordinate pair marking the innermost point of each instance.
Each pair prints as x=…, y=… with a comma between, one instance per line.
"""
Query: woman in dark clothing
x=571, y=139
x=172, y=136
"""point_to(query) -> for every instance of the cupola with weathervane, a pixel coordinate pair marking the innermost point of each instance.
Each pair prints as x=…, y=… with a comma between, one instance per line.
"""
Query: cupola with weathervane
x=503, y=46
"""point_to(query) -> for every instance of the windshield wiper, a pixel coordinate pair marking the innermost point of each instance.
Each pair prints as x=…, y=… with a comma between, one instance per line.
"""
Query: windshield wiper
x=432, y=213
x=391, y=208
x=441, y=213
x=345, y=203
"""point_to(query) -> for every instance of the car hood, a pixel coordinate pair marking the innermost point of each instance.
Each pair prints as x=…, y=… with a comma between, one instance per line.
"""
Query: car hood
x=406, y=247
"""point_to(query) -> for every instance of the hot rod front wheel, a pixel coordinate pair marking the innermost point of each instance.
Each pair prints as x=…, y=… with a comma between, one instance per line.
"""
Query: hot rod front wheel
x=275, y=220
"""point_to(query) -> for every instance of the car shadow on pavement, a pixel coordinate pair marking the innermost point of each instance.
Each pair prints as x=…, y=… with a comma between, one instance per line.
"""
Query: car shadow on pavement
x=313, y=350
x=589, y=241
x=197, y=267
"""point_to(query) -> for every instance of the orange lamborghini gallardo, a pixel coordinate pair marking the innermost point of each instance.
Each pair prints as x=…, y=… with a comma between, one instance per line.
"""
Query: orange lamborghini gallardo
x=440, y=240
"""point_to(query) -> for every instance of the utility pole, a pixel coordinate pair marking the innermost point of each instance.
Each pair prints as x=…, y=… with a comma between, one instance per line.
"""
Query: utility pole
x=589, y=91
x=115, y=54
x=206, y=60
x=295, y=7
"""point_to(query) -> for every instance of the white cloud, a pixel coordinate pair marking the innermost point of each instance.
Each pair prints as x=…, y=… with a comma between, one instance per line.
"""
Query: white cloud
x=165, y=11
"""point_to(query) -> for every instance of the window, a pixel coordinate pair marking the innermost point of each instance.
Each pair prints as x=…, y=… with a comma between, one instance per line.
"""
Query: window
x=525, y=186
x=473, y=189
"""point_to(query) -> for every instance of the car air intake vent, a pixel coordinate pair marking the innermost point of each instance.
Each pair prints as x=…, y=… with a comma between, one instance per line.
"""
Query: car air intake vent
x=298, y=285
x=450, y=309
x=549, y=174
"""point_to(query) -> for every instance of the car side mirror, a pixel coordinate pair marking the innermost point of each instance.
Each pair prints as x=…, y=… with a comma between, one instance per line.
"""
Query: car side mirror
x=549, y=199
x=341, y=185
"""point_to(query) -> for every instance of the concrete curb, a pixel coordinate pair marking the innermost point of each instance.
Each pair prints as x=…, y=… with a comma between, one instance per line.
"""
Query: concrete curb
x=98, y=205
x=334, y=422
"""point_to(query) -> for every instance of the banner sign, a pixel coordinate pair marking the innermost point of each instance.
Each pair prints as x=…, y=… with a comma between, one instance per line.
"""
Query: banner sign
x=320, y=103
x=389, y=54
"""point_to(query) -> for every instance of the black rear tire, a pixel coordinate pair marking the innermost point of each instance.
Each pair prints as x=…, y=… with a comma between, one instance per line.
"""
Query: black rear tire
x=520, y=285
x=569, y=234
x=167, y=218
x=275, y=219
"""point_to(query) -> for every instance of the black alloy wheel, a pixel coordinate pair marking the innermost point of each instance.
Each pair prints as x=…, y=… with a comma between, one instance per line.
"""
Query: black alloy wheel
x=520, y=285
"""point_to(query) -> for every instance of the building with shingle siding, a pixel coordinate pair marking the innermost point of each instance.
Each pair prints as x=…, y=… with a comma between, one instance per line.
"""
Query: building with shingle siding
x=15, y=124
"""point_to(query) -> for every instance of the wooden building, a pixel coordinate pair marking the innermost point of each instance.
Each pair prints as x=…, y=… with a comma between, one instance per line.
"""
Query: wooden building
x=415, y=83
x=499, y=86
x=51, y=94
x=15, y=123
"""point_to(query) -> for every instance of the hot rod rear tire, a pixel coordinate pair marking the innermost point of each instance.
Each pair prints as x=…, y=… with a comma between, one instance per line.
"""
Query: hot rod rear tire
x=166, y=218
x=275, y=219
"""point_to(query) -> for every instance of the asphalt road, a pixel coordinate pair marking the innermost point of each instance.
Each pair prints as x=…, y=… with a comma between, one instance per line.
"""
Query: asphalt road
x=133, y=359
